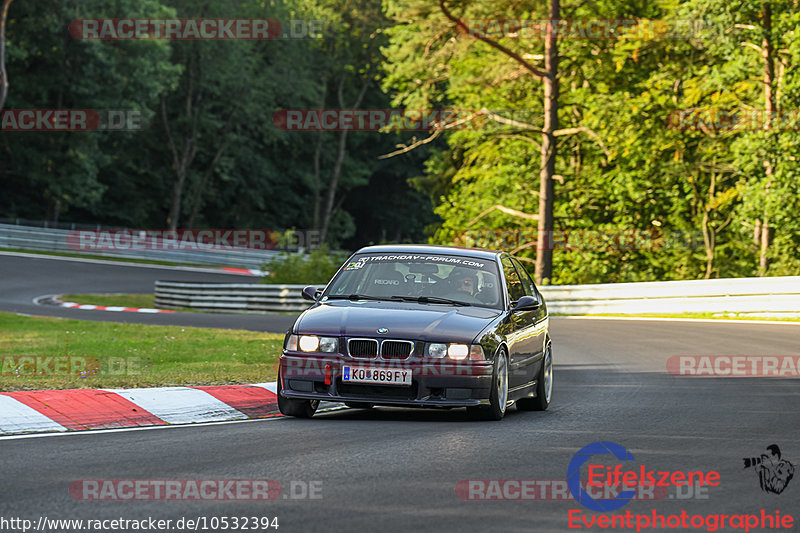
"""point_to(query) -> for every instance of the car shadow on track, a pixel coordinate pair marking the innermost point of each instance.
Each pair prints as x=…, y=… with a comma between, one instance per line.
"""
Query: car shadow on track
x=402, y=414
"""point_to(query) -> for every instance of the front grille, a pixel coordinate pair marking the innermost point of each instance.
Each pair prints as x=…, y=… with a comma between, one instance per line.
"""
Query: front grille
x=396, y=349
x=362, y=347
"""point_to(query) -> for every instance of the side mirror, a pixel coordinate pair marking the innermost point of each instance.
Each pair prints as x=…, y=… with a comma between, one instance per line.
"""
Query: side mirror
x=526, y=303
x=312, y=292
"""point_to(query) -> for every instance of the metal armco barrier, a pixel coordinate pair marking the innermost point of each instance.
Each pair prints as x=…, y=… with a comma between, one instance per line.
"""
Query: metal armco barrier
x=230, y=297
x=778, y=296
x=55, y=240
x=746, y=296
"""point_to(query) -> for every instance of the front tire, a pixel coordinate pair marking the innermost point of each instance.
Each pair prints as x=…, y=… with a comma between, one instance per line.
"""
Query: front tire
x=293, y=407
x=498, y=397
x=544, y=385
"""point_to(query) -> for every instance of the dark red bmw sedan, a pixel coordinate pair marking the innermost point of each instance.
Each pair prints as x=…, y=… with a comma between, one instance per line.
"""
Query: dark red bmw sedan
x=421, y=326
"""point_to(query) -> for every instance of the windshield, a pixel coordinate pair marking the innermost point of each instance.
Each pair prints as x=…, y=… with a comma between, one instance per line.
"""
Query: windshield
x=428, y=277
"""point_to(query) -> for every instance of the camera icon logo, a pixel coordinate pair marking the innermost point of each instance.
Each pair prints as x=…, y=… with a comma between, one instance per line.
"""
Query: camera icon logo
x=774, y=473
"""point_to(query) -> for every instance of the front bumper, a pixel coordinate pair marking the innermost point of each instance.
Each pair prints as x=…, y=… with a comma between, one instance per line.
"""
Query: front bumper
x=434, y=384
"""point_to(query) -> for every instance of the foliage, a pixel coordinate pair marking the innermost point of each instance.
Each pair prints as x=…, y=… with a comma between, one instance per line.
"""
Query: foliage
x=705, y=192
x=622, y=166
x=238, y=169
x=315, y=268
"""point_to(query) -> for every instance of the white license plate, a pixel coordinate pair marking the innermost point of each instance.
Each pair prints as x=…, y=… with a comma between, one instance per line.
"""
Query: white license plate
x=380, y=376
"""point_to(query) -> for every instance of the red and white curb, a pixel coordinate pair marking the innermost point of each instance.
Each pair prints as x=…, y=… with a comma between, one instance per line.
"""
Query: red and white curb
x=53, y=299
x=85, y=409
x=245, y=271
x=90, y=307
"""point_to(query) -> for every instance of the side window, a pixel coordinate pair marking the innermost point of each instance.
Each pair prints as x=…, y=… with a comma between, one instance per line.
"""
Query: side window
x=513, y=283
x=527, y=283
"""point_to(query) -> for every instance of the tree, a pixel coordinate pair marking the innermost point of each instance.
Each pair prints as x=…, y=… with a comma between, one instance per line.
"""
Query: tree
x=518, y=52
x=3, y=74
x=50, y=173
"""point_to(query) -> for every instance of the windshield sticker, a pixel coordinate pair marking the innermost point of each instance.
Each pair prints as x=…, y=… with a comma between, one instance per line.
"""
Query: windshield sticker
x=449, y=260
x=355, y=265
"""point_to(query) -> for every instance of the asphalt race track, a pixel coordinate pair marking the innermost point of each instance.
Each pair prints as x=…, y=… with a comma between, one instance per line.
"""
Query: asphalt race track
x=23, y=278
x=397, y=470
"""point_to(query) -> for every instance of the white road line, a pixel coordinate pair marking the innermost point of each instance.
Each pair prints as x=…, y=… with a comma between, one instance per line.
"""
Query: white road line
x=181, y=405
x=135, y=428
x=16, y=416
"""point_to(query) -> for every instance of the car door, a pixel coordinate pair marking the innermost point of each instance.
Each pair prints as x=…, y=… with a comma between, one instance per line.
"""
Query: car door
x=519, y=330
x=539, y=325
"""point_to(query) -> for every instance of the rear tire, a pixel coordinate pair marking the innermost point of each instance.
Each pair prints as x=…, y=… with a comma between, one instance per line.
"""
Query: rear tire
x=544, y=385
x=293, y=407
x=498, y=397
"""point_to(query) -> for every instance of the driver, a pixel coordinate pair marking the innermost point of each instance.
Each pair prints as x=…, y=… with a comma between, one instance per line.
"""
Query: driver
x=464, y=281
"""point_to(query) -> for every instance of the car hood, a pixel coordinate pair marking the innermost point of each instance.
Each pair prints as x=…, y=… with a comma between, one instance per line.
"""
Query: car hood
x=426, y=322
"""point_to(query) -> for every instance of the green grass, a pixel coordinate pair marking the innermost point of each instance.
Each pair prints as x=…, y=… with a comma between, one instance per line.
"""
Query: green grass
x=705, y=316
x=104, y=354
x=121, y=300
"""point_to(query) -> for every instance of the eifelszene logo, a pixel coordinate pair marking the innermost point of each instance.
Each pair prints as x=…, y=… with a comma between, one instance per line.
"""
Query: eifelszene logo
x=574, y=476
x=616, y=476
x=773, y=472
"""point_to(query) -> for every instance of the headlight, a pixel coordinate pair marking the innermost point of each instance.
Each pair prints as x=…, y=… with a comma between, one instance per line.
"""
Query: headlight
x=309, y=343
x=437, y=350
x=455, y=351
x=458, y=351
x=328, y=344
x=312, y=343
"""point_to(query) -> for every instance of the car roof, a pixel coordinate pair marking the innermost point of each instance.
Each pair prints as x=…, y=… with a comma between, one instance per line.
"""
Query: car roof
x=480, y=253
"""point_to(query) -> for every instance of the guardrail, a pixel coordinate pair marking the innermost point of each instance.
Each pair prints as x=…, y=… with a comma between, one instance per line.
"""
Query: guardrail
x=230, y=297
x=745, y=296
x=778, y=296
x=55, y=240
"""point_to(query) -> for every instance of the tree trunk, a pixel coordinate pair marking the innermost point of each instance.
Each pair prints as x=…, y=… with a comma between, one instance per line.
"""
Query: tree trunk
x=544, y=248
x=177, y=193
x=182, y=161
x=769, y=108
x=197, y=197
x=337, y=168
x=3, y=73
x=316, y=183
x=709, y=236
